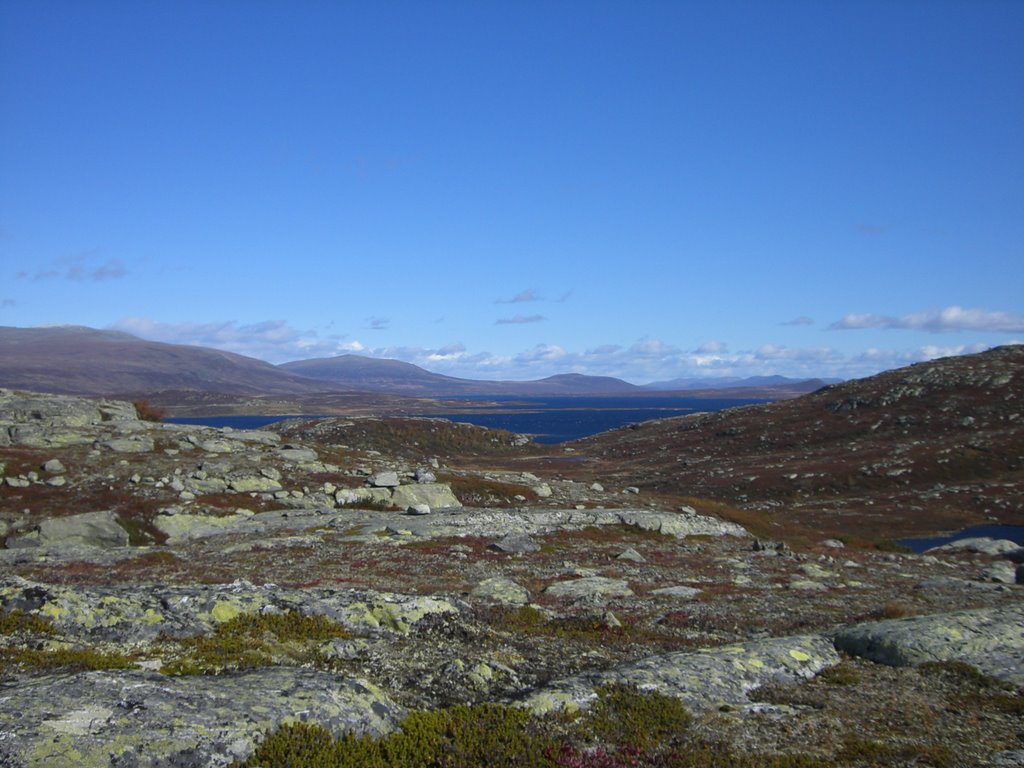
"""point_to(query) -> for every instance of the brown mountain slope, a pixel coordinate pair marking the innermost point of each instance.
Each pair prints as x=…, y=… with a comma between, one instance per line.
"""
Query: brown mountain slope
x=395, y=377
x=86, y=361
x=929, y=447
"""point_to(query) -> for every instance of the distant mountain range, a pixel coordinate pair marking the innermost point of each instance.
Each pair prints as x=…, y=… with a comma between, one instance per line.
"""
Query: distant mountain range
x=395, y=377
x=87, y=361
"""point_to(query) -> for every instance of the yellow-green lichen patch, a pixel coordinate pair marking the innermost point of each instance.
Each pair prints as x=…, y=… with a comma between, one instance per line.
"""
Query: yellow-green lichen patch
x=224, y=611
x=552, y=701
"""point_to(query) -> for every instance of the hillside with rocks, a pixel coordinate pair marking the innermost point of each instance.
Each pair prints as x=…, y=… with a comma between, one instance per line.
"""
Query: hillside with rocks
x=187, y=596
x=930, y=447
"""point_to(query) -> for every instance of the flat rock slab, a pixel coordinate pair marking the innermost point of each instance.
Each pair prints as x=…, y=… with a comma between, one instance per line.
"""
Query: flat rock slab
x=589, y=587
x=705, y=679
x=434, y=495
x=142, y=613
x=128, y=718
x=991, y=639
x=500, y=590
x=495, y=523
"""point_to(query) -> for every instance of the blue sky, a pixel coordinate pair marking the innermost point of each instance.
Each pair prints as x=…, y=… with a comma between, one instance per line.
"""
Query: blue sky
x=515, y=189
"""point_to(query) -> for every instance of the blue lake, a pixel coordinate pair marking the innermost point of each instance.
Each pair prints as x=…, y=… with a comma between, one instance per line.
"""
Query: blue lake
x=558, y=419
x=1014, y=533
x=551, y=419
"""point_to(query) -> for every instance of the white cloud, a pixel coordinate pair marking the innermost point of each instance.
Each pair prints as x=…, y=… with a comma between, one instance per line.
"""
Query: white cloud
x=645, y=360
x=272, y=340
x=937, y=321
x=802, y=320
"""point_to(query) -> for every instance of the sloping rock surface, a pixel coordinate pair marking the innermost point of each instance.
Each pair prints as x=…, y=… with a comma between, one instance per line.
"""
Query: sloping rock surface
x=704, y=679
x=990, y=639
x=102, y=719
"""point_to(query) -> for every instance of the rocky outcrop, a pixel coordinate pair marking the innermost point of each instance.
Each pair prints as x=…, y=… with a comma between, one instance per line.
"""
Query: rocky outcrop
x=133, y=615
x=990, y=639
x=434, y=495
x=497, y=523
x=705, y=679
x=44, y=421
x=133, y=718
x=91, y=529
x=589, y=588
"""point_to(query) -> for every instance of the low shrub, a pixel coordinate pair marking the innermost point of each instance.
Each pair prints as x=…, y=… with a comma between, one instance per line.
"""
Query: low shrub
x=17, y=621
x=65, y=659
x=149, y=412
x=253, y=640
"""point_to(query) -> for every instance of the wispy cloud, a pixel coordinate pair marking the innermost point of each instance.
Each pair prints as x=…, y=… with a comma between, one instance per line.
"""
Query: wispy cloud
x=802, y=320
x=937, y=321
x=378, y=323
x=8, y=303
x=520, y=320
x=271, y=340
x=711, y=348
x=78, y=268
x=523, y=296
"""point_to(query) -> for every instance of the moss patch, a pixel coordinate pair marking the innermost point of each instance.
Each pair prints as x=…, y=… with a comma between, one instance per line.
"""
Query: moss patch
x=253, y=640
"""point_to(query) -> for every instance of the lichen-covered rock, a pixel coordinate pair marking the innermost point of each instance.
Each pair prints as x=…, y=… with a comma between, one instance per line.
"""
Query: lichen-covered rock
x=102, y=719
x=141, y=614
x=357, y=496
x=90, y=529
x=217, y=445
x=385, y=479
x=681, y=526
x=589, y=587
x=373, y=610
x=297, y=454
x=991, y=639
x=704, y=680
x=183, y=527
x=500, y=590
x=55, y=421
x=133, y=444
x=496, y=523
x=253, y=484
x=434, y=495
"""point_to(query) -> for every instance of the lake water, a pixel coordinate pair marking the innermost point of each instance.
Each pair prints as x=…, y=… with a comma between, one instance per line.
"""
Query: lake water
x=1014, y=533
x=558, y=419
x=551, y=419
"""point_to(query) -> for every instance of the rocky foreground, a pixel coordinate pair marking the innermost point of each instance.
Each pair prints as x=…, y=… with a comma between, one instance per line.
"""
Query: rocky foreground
x=169, y=595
